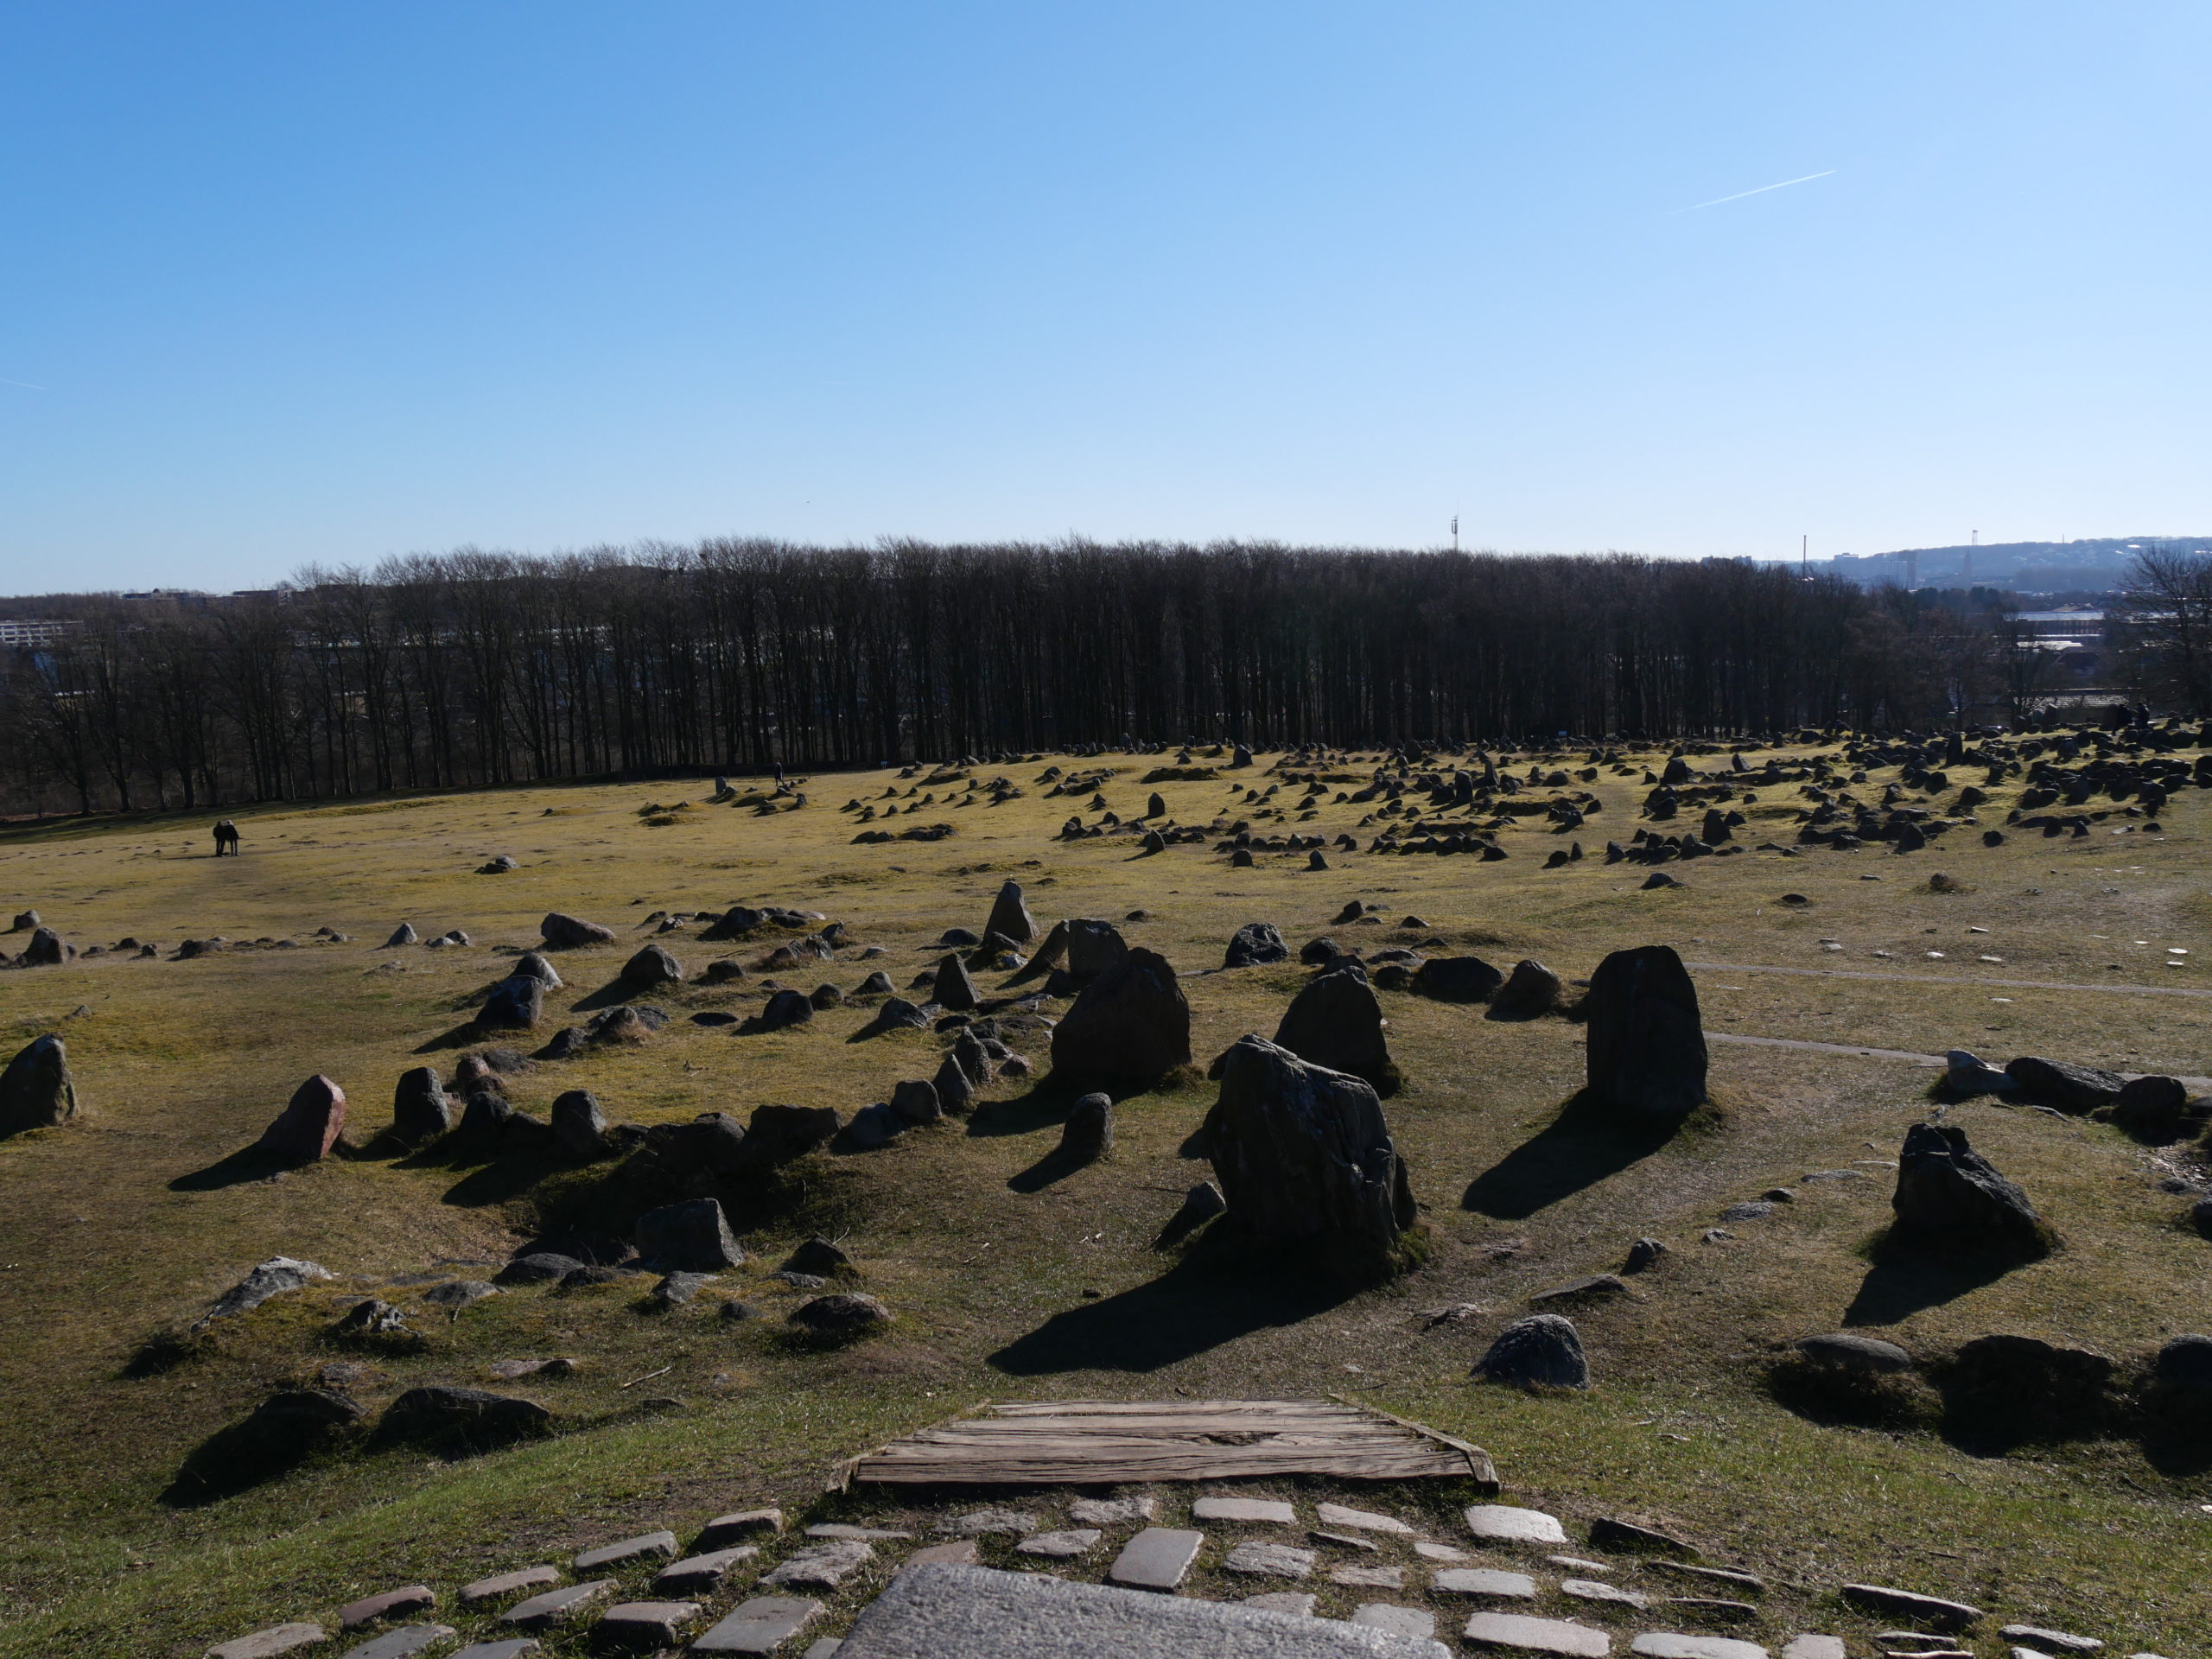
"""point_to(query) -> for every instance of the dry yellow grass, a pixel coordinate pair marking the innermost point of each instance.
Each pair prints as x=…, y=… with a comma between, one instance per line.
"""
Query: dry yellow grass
x=1007, y=1293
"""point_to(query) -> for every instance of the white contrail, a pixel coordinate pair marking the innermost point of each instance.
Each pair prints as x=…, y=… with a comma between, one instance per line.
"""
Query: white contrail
x=1761, y=191
x=25, y=385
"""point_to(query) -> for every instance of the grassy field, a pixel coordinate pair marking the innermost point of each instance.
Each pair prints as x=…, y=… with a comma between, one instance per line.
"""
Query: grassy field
x=119, y=1229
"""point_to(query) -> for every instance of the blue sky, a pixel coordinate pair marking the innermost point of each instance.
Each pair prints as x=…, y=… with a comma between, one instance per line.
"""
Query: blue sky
x=286, y=282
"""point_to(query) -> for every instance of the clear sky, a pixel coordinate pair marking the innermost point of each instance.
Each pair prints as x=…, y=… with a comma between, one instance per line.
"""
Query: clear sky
x=284, y=282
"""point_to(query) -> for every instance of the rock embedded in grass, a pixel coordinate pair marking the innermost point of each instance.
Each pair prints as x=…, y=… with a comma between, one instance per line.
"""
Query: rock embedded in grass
x=1255, y=944
x=1088, y=1133
x=310, y=1123
x=36, y=1090
x=1645, y=1052
x=2070, y=1088
x=1335, y=1021
x=1543, y=1350
x=1949, y=1198
x=515, y=1004
x=692, y=1237
x=843, y=1314
x=564, y=932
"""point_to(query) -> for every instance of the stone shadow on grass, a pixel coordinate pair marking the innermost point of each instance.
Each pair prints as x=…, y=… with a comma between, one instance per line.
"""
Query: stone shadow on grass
x=1902, y=1282
x=251, y=1163
x=1198, y=1304
x=1575, y=1150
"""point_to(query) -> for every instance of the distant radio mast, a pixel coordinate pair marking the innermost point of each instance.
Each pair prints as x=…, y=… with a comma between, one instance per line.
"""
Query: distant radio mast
x=1455, y=532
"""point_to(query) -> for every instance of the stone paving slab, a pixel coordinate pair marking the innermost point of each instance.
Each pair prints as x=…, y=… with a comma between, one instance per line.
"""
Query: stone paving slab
x=506, y=1584
x=646, y=1625
x=825, y=1648
x=1503, y=1523
x=1519, y=1633
x=650, y=1546
x=696, y=1574
x=2035, y=1636
x=1482, y=1581
x=267, y=1644
x=390, y=1603
x=760, y=1625
x=960, y=1553
x=1931, y=1611
x=1156, y=1559
x=1111, y=1511
x=1668, y=1644
x=1269, y=1560
x=402, y=1644
x=1297, y=1602
x=515, y=1647
x=1336, y=1515
x=1368, y=1578
x=1398, y=1621
x=736, y=1527
x=555, y=1605
x=823, y=1567
x=1816, y=1647
x=1252, y=1509
x=1599, y=1590
x=931, y=1613
x=1062, y=1546
x=1451, y=1554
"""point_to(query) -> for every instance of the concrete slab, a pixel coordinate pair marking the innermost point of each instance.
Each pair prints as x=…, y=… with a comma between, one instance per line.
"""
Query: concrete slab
x=1253, y=1511
x=1156, y=1559
x=760, y=1625
x=1519, y=1633
x=930, y=1611
x=1398, y=1621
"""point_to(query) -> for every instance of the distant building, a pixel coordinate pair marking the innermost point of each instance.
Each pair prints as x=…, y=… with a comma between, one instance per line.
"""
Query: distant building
x=26, y=634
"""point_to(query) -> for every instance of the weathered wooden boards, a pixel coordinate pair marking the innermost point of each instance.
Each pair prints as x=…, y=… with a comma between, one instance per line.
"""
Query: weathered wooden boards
x=1099, y=1441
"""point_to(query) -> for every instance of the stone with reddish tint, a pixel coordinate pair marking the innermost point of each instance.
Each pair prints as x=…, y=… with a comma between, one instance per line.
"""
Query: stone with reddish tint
x=504, y=1585
x=392, y=1604
x=269, y=1644
x=309, y=1125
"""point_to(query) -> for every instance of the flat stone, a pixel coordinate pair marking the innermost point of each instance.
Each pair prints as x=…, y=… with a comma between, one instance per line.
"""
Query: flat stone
x=976, y=1522
x=1062, y=1546
x=697, y=1575
x=392, y=1603
x=1503, y=1523
x=760, y=1625
x=1482, y=1581
x=1368, y=1578
x=1928, y=1609
x=1730, y=1576
x=645, y=1625
x=1270, y=1561
x=961, y=1553
x=2036, y=1637
x=1816, y=1647
x=825, y=1648
x=1607, y=1533
x=1343, y=1540
x=1398, y=1621
x=879, y=1535
x=266, y=1644
x=1664, y=1644
x=1156, y=1559
x=1243, y=1508
x=1712, y=1607
x=824, y=1566
x=1299, y=1604
x=505, y=1584
x=1518, y=1633
x=1579, y=1564
x=1598, y=1590
x=1450, y=1555
x=726, y=1529
x=556, y=1606
x=1111, y=1511
x=1336, y=1515
x=646, y=1546
x=930, y=1613
x=513, y=1647
x=401, y=1643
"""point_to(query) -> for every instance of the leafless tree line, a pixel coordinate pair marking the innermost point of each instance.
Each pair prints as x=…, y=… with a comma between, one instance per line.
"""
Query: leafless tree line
x=475, y=668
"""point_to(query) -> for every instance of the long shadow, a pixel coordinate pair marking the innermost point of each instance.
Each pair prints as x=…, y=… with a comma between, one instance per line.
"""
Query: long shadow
x=460, y=1037
x=247, y=1164
x=1567, y=1154
x=611, y=995
x=503, y=1180
x=1054, y=1165
x=1044, y=1104
x=1901, y=1284
x=1195, y=1305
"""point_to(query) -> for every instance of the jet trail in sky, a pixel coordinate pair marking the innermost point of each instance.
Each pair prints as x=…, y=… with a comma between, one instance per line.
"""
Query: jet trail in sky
x=1761, y=191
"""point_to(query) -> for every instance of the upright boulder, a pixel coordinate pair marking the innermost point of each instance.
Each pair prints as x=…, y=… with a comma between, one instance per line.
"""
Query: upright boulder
x=951, y=988
x=421, y=1110
x=578, y=1124
x=654, y=965
x=1132, y=1024
x=1542, y=1350
x=1337, y=1022
x=690, y=1237
x=1456, y=979
x=1951, y=1200
x=1088, y=1133
x=532, y=964
x=1010, y=917
x=1645, y=1050
x=404, y=934
x=1529, y=990
x=45, y=949
x=1254, y=945
x=571, y=933
x=1093, y=947
x=309, y=1125
x=1306, y=1159
x=36, y=1091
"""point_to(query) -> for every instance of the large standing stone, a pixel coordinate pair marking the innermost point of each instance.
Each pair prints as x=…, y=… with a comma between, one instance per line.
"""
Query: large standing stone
x=1131, y=1024
x=1337, y=1022
x=571, y=933
x=514, y=1005
x=1949, y=1198
x=1094, y=947
x=1645, y=1050
x=1541, y=1351
x=951, y=988
x=1530, y=989
x=578, y=1124
x=916, y=1101
x=36, y=1091
x=785, y=1008
x=1254, y=945
x=689, y=1237
x=45, y=949
x=1010, y=917
x=955, y=1092
x=421, y=1108
x=1305, y=1157
x=1088, y=1134
x=309, y=1125
x=532, y=964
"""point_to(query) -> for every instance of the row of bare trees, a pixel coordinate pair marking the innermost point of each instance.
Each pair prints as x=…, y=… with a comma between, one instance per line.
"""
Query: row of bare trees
x=478, y=668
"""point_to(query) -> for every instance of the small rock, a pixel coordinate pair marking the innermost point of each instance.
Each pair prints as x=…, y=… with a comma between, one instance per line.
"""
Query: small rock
x=843, y=1314
x=1543, y=1349
x=1067, y=1545
x=1503, y=1523
x=1269, y=1560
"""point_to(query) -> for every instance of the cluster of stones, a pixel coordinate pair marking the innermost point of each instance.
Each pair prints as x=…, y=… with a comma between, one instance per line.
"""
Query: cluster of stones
x=747, y=1586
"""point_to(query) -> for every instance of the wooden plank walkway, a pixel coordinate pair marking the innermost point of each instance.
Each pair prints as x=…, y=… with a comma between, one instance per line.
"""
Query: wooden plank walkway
x=1100, y=1442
